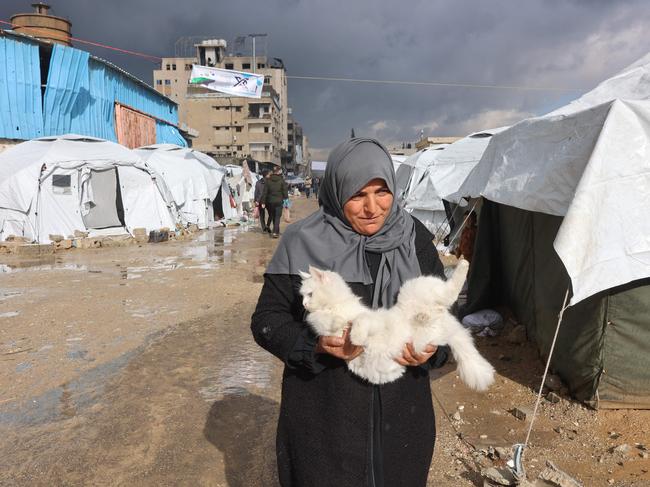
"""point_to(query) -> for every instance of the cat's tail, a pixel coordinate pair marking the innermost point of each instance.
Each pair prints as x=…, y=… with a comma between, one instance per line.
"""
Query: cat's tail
x=476, y=372
x=457, y=280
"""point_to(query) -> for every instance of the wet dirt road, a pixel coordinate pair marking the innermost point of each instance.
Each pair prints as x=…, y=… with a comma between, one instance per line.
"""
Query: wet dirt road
x=135, y=366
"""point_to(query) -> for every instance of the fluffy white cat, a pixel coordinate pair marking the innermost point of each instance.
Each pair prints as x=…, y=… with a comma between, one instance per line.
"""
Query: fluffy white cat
x=421, y=315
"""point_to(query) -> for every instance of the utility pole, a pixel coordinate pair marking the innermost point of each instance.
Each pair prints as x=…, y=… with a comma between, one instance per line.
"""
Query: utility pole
x=254, y=36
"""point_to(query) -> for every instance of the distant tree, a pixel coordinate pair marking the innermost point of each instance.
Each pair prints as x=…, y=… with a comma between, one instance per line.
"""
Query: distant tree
x=352, y=134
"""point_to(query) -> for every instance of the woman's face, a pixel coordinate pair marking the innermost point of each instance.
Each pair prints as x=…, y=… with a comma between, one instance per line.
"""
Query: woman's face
x=368, y=209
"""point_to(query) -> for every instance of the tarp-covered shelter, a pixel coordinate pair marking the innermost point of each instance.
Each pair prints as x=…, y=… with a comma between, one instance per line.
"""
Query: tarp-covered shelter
x=566, y=204
x=194, y=179
x=56, y=185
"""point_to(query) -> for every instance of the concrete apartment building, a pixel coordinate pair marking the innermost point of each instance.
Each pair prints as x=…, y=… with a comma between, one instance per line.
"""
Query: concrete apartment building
x=297, y=155
x=230, y=128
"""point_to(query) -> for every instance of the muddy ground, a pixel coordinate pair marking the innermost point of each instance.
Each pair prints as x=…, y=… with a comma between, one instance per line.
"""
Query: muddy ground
x=135, y=366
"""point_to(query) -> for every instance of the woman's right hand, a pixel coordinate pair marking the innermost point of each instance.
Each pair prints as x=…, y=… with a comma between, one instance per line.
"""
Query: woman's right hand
x=340, y=347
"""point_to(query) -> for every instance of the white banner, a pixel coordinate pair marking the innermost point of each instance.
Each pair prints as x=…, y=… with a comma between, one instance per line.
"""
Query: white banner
x=235, y=83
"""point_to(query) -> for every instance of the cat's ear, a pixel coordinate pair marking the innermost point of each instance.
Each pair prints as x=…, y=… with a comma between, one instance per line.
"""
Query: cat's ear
x=305, y=275
x=317, y=273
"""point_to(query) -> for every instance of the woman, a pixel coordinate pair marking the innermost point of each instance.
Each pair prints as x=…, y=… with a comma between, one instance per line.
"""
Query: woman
x=334, y=428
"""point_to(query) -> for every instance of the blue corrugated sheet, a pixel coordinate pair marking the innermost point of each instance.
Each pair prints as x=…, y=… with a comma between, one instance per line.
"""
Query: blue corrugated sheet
x=81, y=94
x=169, y=134
x=67, y=97
x=21, y=114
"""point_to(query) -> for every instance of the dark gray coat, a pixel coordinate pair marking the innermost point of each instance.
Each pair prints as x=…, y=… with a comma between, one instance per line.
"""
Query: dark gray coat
x=334, y=428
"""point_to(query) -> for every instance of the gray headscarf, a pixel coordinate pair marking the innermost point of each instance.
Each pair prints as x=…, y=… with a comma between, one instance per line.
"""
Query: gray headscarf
x=326, y=240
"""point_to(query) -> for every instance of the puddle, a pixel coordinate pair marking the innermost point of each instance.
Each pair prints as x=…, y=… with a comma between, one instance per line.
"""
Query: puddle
x=9, y=314
x=9, y=293
x=241, y=368
x=58, y=403
x=37, y=266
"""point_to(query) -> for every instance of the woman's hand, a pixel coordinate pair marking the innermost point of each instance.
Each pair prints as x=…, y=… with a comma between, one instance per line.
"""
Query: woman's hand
x=340, y=347
x=410, y=357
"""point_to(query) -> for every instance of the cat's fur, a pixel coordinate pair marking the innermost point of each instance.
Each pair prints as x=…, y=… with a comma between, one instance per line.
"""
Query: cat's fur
x=420, y=315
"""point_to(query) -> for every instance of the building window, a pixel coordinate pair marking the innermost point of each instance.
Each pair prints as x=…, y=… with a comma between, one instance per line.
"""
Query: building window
x=261, y=65
x=246, y=66
x=168, y=82
x=158, y=81
x=230, y=66
x=173, y=67
x=61, y=184
x=240, y=147
x=238, y=109
x=267, y=80
x=238, y=129
x=266, y=130
x=168, y=67
x=188, y=67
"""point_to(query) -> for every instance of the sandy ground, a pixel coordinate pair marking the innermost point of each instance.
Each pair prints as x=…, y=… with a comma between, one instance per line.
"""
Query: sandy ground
x=135, y=366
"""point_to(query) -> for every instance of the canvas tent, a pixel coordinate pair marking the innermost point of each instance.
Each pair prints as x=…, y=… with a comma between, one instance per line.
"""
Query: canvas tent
x=193, y=180
x=565, y=207
x=56, y=185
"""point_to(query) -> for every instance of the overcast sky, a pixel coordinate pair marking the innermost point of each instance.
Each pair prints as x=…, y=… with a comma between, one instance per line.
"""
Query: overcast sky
x=532, y=43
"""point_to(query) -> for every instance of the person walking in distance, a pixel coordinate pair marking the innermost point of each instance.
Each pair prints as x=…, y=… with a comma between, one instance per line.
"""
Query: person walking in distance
x=274, y=193
x=259, y=188
x=307, y=186
x=314, y=187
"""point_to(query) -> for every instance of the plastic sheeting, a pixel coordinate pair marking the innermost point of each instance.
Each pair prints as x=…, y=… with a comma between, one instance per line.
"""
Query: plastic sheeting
x=589, y=162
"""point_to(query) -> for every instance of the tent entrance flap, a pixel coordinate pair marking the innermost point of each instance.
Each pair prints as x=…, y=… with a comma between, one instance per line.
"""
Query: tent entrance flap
x=105, y=207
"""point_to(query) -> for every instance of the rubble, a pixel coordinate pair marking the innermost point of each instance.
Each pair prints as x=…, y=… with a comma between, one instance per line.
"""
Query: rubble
x=557, y=477
x=522, y=412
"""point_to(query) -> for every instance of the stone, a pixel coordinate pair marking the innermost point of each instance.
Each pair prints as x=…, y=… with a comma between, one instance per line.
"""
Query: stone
x=140, y=232
x=643, y=454
x=621, y=449
x=192, y=227
x=552, y=397
x=502, y=452
x=456, y=416
x=80, y=234
x=522, y=412
x=16, y=238
x=34, y=249
x=517, y=335
x=498, y=476
x=64, y=244
x=56, y=238
x=556, y=477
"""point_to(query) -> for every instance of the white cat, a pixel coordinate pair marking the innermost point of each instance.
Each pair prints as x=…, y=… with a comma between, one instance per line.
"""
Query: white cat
x=421, y=315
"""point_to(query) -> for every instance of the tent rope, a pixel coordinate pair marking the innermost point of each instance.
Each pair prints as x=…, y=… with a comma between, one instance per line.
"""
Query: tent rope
x=469, y=213
x=548, y=363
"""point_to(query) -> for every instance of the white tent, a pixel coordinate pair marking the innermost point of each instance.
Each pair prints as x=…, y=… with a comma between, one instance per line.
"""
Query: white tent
x=442, y=173
x=193, y=180
x=590, y=163
x=414, y=190
x=56, y=185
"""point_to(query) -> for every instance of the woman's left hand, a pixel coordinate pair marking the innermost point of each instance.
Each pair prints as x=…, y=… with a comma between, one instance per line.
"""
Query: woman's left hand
x=411, y=357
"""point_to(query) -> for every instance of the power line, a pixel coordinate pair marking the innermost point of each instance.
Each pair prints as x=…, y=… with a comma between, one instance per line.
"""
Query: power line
x=157, y=59
x=436, y=83
x=96, y=44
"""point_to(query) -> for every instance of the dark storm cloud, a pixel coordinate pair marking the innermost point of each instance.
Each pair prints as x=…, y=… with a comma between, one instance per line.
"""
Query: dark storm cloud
x=537, y=43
